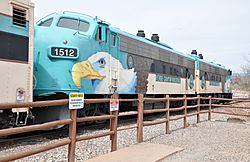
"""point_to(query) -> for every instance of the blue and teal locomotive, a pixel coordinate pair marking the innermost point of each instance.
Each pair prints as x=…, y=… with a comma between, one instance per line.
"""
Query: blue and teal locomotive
x=80, y=53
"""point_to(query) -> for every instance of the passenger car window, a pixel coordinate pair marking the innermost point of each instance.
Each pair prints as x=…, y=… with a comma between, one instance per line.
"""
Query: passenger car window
x=152, y=68
x=171, y=71
x=73, y=24
x=46, y=23
x=164, y=69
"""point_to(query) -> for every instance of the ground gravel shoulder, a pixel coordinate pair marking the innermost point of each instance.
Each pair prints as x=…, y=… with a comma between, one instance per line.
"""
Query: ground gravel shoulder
x=209, y=141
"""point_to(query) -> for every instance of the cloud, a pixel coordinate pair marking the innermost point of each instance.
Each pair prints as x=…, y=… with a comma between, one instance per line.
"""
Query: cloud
x=219, y=29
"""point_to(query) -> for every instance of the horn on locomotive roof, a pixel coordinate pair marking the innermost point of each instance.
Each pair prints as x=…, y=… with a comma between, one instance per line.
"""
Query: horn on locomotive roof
x=201, y=56
x=194, y=52
x=141, y=33
x=155, y=38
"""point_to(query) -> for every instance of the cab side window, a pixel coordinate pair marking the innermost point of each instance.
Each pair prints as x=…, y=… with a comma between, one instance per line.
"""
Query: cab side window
x=101, y=34
x=113, y=39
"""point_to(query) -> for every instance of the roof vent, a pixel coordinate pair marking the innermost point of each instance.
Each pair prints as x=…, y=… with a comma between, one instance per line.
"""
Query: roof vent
x=141, y=33
x=19, y=17
x=201, y=56
x=194, y=52
x=155, y=38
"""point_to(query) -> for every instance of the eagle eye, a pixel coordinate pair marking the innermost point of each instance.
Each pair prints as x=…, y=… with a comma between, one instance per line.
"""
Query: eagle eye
x=102, y=63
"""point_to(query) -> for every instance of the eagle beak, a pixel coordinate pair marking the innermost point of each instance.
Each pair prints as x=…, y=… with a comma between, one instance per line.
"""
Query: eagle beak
x=84, y=70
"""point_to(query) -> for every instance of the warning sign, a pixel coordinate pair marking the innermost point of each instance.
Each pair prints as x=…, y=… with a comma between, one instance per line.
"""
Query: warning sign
x=76, y=100
x=114, y=105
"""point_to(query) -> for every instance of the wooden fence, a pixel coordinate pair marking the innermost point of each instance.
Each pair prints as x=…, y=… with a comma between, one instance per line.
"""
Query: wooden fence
x=197, y=109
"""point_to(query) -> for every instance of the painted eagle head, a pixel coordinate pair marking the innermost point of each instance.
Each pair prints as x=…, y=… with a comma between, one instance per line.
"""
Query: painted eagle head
x=98, y=68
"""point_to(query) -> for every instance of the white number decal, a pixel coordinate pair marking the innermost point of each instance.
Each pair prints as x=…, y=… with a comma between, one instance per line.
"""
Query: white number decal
x=56, y=50
x=61, y=52
x=71, y=53
x=64, y=52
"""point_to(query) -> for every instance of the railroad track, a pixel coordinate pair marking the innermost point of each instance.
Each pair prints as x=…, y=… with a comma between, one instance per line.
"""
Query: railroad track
x=38, y=136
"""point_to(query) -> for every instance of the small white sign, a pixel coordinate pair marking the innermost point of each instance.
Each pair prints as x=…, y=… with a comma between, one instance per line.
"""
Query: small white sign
x=76, y=100
x=114, y=105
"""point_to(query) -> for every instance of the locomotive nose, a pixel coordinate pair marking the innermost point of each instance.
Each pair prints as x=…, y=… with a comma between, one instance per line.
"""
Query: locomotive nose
x=84, y=70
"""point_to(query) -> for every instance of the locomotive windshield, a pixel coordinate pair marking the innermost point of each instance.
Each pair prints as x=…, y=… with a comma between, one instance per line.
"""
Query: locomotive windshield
x=46, y=23
x=73, y=24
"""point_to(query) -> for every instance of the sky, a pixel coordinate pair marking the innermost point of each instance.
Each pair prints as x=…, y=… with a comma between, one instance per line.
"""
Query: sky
x=219, y=29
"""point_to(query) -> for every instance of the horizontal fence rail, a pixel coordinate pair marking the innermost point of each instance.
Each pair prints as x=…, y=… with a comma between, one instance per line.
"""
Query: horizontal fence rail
x=208, y=107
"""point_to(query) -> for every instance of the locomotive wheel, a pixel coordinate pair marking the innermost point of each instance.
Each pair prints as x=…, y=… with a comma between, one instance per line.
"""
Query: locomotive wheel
x=94, y=110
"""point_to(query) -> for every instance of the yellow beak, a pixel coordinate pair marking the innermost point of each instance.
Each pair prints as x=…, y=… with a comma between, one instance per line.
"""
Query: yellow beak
x=84, y=70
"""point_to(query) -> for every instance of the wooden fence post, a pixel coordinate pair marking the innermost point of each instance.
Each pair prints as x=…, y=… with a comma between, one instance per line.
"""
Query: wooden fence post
x=140, y=119
x=72, y=136
x=185, y=111
x=198, y=108
x=210, y=107
x=167, y=115
x=113, y=126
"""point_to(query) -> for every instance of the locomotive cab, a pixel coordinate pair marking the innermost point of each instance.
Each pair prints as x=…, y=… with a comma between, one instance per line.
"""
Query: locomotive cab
x=60, y=41
x=64, y=40
x=74, y=53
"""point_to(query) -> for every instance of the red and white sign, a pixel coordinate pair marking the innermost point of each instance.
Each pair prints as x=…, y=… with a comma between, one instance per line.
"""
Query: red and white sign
x=20, y=95
x=114, y=105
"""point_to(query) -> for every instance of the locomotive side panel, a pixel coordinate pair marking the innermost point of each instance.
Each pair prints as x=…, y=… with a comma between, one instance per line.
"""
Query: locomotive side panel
x=212, y=79
x=174, y=74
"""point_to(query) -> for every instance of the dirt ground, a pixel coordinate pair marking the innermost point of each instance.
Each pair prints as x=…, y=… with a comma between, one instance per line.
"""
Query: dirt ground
x=224, y=138
x=210, y=141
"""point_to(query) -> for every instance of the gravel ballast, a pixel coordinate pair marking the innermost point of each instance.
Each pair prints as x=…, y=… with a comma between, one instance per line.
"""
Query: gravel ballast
x=216, y=140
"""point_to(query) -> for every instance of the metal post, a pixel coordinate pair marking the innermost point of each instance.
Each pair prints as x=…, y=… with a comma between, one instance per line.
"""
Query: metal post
x=72, y=136
x=210, y=107
x=167, y=115
x=198, y=108
x=140, y=119
x=185, y=111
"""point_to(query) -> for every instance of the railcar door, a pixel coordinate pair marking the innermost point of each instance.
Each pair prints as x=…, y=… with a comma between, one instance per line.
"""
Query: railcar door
x=114, y=66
